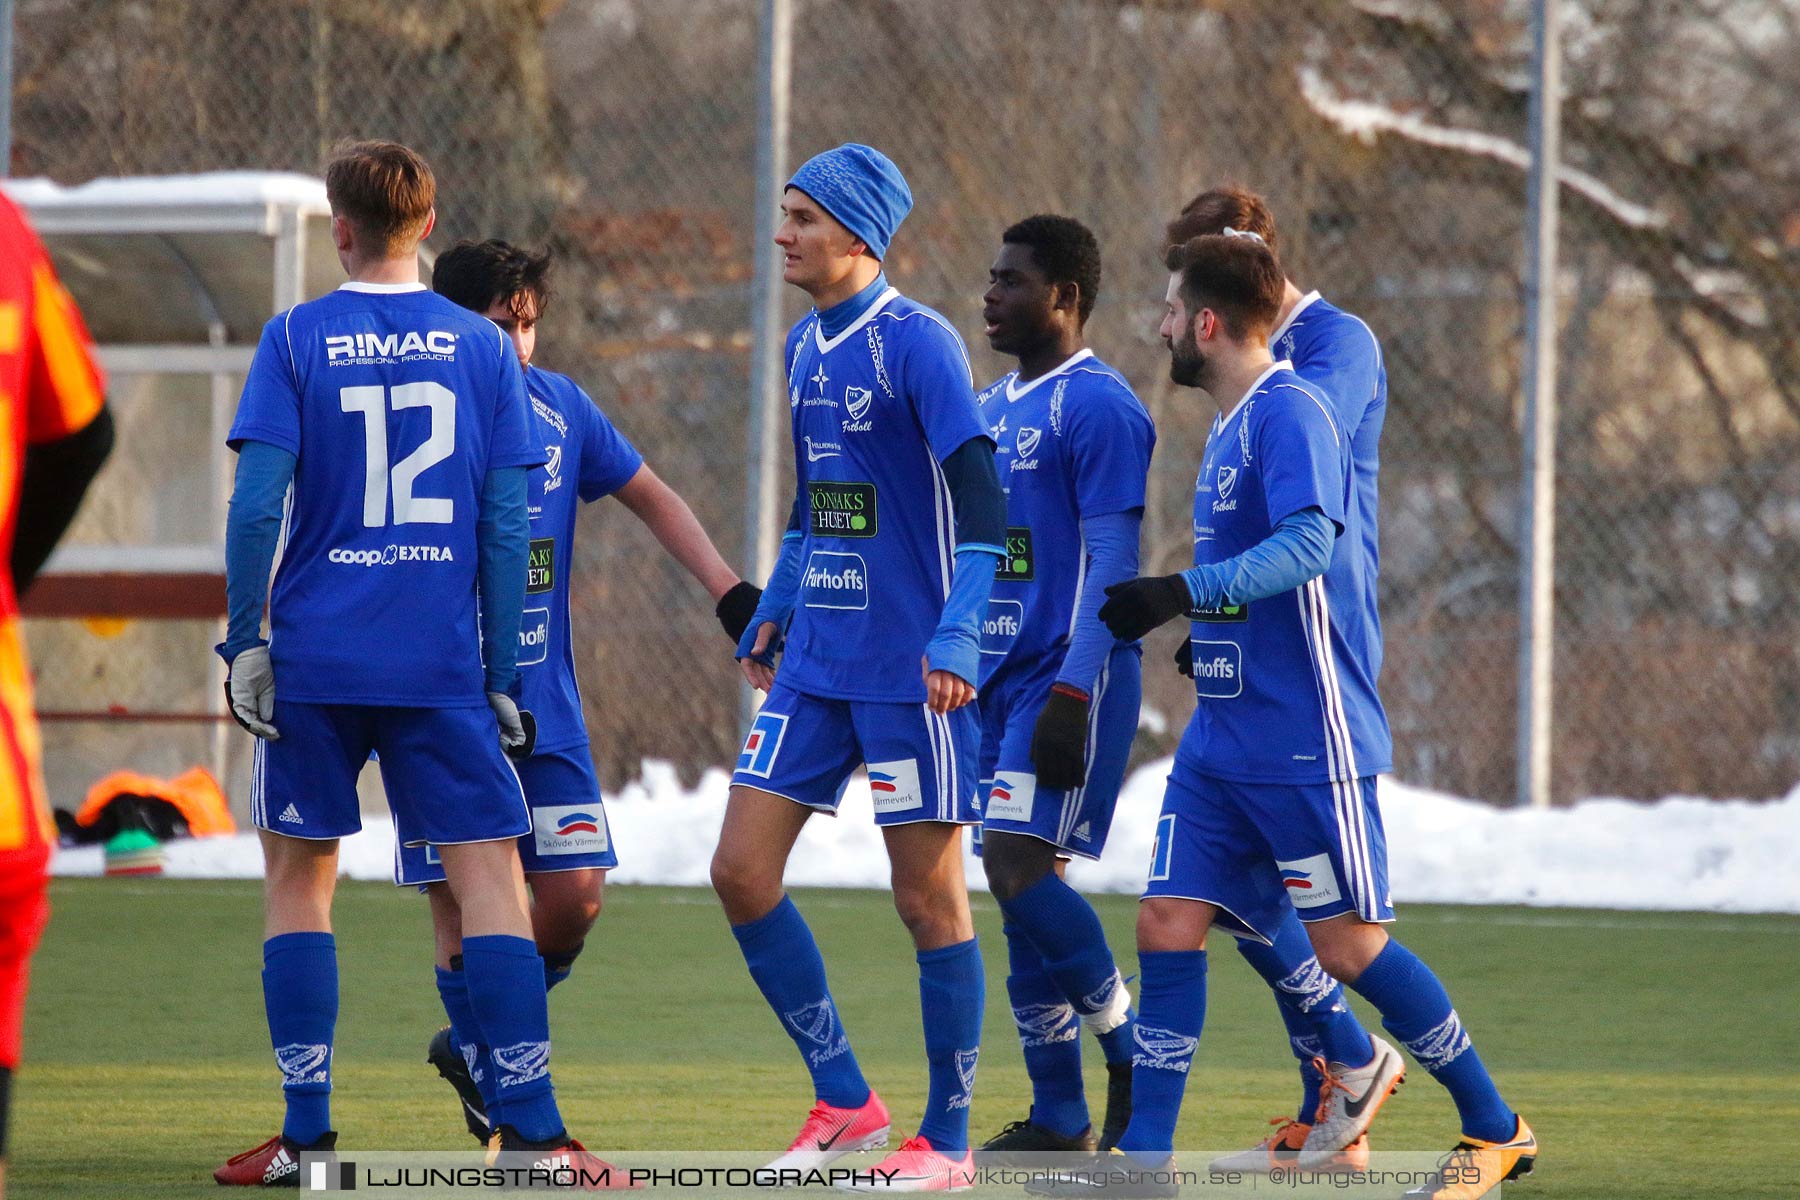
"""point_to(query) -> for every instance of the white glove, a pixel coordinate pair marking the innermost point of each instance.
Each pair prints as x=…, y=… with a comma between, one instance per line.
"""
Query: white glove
x=512, y=726
x=250, y=690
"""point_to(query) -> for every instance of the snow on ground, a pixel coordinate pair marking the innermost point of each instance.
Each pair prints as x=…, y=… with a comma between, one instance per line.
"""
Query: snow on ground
x=1679, y=853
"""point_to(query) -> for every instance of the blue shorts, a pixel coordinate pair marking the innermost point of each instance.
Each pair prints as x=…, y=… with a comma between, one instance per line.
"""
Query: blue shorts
x=921, y=764
x=447, y=780
x=1255, y=849
x=568, y=822
x=1077, y=820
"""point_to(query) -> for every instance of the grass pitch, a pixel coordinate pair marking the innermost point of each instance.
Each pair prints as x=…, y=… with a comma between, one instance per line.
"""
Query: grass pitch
x=1654, y=1054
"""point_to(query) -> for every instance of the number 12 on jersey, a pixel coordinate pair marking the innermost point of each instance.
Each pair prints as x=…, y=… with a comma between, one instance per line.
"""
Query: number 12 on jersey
x=372, y=402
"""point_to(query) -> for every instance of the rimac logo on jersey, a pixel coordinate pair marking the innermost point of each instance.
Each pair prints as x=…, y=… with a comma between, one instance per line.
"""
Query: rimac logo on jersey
x=857, y=403
x=389, y=347
x=540, y=566
x=762, y=744
x=1016, y=567
x=534, y=637
x=569, y=829
x=842, y=510
x=895, y=785
x=1310, y=882
x=1001, y=626
x=835, y=580
x=1218, y=669
x=1012, y=797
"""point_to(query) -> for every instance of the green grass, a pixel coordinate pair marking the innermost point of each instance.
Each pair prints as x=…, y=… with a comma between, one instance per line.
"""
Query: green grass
x=1653, y=1053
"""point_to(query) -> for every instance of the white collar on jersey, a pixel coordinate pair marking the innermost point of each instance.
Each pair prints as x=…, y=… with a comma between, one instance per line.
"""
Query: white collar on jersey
x=1220, y=421
x=1305, y=302
x=381, y=289
x=868, y=314
x=1017, y=391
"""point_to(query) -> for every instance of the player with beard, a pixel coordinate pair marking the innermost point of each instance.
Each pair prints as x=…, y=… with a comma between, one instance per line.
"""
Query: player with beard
x=1271, y=803
x=1059, y=693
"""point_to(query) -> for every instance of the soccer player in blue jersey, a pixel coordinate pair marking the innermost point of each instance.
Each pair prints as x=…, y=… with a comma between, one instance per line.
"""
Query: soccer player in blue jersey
x=1271, y=803
x=882, y=579
x=1059, y=694
x=400, y=421
x=569, y=849
x=1338, y=354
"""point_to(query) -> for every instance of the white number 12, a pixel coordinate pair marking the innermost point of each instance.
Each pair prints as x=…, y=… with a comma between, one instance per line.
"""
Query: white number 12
x=372, y=402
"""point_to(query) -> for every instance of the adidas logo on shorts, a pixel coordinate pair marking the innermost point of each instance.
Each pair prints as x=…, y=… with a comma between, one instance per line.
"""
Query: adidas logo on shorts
x=291, y=816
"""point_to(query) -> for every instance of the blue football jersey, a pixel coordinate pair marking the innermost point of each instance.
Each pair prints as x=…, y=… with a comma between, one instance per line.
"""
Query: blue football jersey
x=587, y=458
x=396, y=404
x=1286, y=690
x=875, y=410
x=1070, y=444
x=1338, y=353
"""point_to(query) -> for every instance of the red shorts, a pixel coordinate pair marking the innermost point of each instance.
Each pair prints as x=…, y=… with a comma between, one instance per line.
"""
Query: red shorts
x=24, y=907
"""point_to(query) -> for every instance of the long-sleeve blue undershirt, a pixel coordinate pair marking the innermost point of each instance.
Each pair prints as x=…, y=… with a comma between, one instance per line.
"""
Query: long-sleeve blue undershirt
x=1297, y=550
x=503, y=553
x=980, y=507
x=837, y=318
x=1110, y=542
x=252, y=536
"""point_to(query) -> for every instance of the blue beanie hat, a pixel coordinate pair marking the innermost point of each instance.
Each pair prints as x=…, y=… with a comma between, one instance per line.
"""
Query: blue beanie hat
x=862, y=188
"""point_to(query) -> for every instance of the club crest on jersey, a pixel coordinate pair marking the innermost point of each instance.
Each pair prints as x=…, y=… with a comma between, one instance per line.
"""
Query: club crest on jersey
x=1228, y=477
x=553, y=469
x=1310, y=882
x=762, y=744
x=857, y=403
x=895, y=785
x=1026, y=444
x=389, y=347
x=569, y=829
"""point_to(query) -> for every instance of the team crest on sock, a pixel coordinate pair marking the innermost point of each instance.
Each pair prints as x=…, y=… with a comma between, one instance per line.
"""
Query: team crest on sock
x=1441, y=1045
x=965, y=1073
x=521, y=1063
x=1046, y=1024
x=301, y=1062
x=1310, y=985
x=817, y=1023
x=1163, y=1049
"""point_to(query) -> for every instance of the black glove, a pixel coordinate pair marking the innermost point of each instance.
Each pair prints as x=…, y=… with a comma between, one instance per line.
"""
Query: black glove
x=1184, y=657
x=736, y=607
x=1059, y=742
x=1137, y=606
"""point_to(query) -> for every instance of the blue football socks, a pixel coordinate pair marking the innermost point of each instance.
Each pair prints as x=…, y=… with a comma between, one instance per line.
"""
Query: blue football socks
x=1318, y=1019
x=1171, y=1012
x=465, y=1035
x=1415, y=1008
x=1067, y=933
x=300, y=994
x=558, y=966
x=952, y=996
x=505, y=980
x=784, y=961
x=1049, y=1034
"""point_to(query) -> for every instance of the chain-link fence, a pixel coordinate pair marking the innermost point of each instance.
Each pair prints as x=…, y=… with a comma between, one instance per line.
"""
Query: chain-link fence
x=1389, y=140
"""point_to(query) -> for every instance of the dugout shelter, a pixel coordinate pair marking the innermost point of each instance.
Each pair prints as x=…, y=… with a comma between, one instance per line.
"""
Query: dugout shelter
x=176, y=276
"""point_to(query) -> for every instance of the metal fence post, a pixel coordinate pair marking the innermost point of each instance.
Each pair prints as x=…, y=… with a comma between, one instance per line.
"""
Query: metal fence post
x=1537, y=495
x=6, y=87
x=762, y=505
